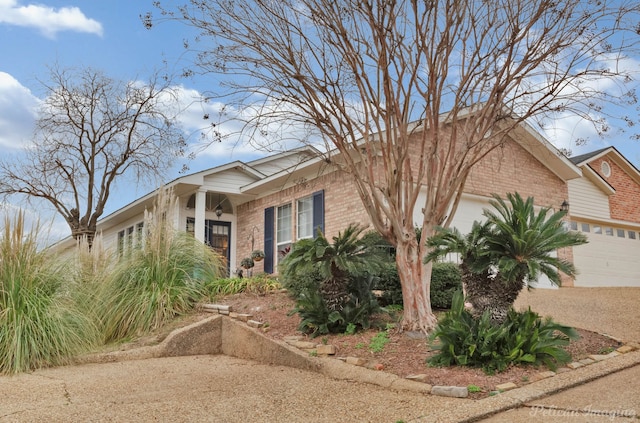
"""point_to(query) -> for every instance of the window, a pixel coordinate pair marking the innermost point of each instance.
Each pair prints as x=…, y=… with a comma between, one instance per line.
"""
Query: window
x=284, y=235
x=597, y=229
x=605, y=169
x=280, y=231
x=305, y=218
x=573, y=225
x=608, y=231
x=129, y=238
x=620, y=233
x=139, y=233
x=121, y=243
x=584, y=227
x=631, y=234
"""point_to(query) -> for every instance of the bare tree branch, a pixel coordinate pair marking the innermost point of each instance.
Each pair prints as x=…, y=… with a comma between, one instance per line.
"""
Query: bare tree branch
x=91, y=131
x=413, y=93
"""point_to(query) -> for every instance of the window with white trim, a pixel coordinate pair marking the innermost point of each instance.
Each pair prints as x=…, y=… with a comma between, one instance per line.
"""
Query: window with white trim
x=139, y=232
x=305, y=218
x=284, y=235
x=130, y=237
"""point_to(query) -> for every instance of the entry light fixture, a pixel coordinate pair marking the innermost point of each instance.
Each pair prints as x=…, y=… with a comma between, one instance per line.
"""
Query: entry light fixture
x=219, y=207
x=564, y=206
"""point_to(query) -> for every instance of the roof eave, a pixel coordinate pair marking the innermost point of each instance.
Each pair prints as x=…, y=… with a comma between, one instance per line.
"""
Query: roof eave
x=545, y=152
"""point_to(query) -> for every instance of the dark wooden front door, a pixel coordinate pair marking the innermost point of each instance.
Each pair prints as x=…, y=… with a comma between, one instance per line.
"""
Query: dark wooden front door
x=217, y=235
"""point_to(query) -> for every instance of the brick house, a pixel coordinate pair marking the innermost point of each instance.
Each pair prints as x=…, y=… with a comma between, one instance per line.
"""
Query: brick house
x=269, y=203
x=605, y=205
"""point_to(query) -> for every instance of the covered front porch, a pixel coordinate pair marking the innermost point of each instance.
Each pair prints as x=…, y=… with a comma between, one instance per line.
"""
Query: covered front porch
x=210, y=217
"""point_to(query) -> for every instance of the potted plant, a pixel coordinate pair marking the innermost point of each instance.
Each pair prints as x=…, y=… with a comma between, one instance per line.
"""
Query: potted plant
x=247, y=263
x=257, y=255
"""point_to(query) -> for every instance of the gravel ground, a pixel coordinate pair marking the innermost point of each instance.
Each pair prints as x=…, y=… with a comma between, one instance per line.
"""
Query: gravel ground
x=226, y=389
x=201, y=389
x=611, y=311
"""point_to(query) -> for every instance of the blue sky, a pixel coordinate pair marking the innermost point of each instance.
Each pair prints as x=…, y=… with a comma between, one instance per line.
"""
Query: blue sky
x=110, y=37
x=106, y=36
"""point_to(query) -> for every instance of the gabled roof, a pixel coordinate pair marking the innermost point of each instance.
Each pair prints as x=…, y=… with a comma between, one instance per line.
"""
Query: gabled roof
x=587, y=157
x=523, y=134
x=614, y=155
x=185, y=183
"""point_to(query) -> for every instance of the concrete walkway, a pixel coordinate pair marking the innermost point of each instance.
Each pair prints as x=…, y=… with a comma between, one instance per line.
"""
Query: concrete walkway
x=614, y=398
x=218, y=387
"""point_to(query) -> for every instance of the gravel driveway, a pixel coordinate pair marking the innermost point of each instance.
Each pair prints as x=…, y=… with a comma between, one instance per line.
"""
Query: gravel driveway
x=219, y=388
x=612, y=311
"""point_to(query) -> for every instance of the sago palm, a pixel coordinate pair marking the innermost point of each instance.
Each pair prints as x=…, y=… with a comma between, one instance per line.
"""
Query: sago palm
x=348, y=255
x=512, y=249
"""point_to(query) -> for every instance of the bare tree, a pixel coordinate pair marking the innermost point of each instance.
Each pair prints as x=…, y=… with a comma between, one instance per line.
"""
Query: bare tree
x=412, y=93
x=92, y=131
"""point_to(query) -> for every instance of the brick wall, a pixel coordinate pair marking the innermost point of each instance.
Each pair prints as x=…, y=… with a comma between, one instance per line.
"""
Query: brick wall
x=511, y=168
x=342, y=207
x=625, y=203
x=507, y=169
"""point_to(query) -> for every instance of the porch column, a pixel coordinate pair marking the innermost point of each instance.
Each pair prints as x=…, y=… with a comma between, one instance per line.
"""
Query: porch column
x=201, y=197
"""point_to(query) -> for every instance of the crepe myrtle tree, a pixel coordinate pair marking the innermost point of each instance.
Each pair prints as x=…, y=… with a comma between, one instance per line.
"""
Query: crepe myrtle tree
x=92, y=131
x=408, y=95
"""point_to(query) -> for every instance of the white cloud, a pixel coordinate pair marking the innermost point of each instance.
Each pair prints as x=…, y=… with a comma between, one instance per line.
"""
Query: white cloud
x=48, y=20
x=17, y=112
x=38, y=219
x=213, y=128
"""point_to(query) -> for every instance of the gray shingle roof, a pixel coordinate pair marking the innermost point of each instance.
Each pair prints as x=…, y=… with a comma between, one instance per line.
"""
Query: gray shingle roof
x=581, y=158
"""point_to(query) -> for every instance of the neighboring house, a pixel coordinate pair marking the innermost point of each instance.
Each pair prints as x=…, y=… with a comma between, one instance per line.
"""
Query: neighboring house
x=605, y=205
x=270, y=203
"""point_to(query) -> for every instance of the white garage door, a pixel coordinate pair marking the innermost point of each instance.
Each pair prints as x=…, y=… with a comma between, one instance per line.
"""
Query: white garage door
x=611, y=258
x=470, y=210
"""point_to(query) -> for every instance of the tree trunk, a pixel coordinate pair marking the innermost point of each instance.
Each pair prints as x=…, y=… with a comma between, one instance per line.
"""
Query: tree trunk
x=80, y=229
x=487, y=292
x=335, y=289
x=415, y=278
x=335, y=293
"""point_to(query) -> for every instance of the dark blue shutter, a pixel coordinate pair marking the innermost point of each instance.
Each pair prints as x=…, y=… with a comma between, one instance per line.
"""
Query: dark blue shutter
x=268, y=239
x=318, y=212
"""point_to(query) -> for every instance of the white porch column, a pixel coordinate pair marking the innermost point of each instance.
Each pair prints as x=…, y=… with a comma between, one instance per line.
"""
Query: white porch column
x=201, y=198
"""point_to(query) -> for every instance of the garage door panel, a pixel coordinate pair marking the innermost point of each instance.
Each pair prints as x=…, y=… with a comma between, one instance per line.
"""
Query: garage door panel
x=469, y=210
x=607, y=261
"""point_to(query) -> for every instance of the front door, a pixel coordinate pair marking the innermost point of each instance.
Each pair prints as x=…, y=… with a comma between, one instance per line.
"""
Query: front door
x=217, y=235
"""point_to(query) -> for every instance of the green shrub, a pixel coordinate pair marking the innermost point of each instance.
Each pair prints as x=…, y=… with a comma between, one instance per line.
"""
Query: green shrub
x=524, y=338
x=162, y=279
x=362, y=305
x=39, y=323
x=317, y=319
x=446, y=279
x=388, y=282
x=300, y=281
x=258, y=284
